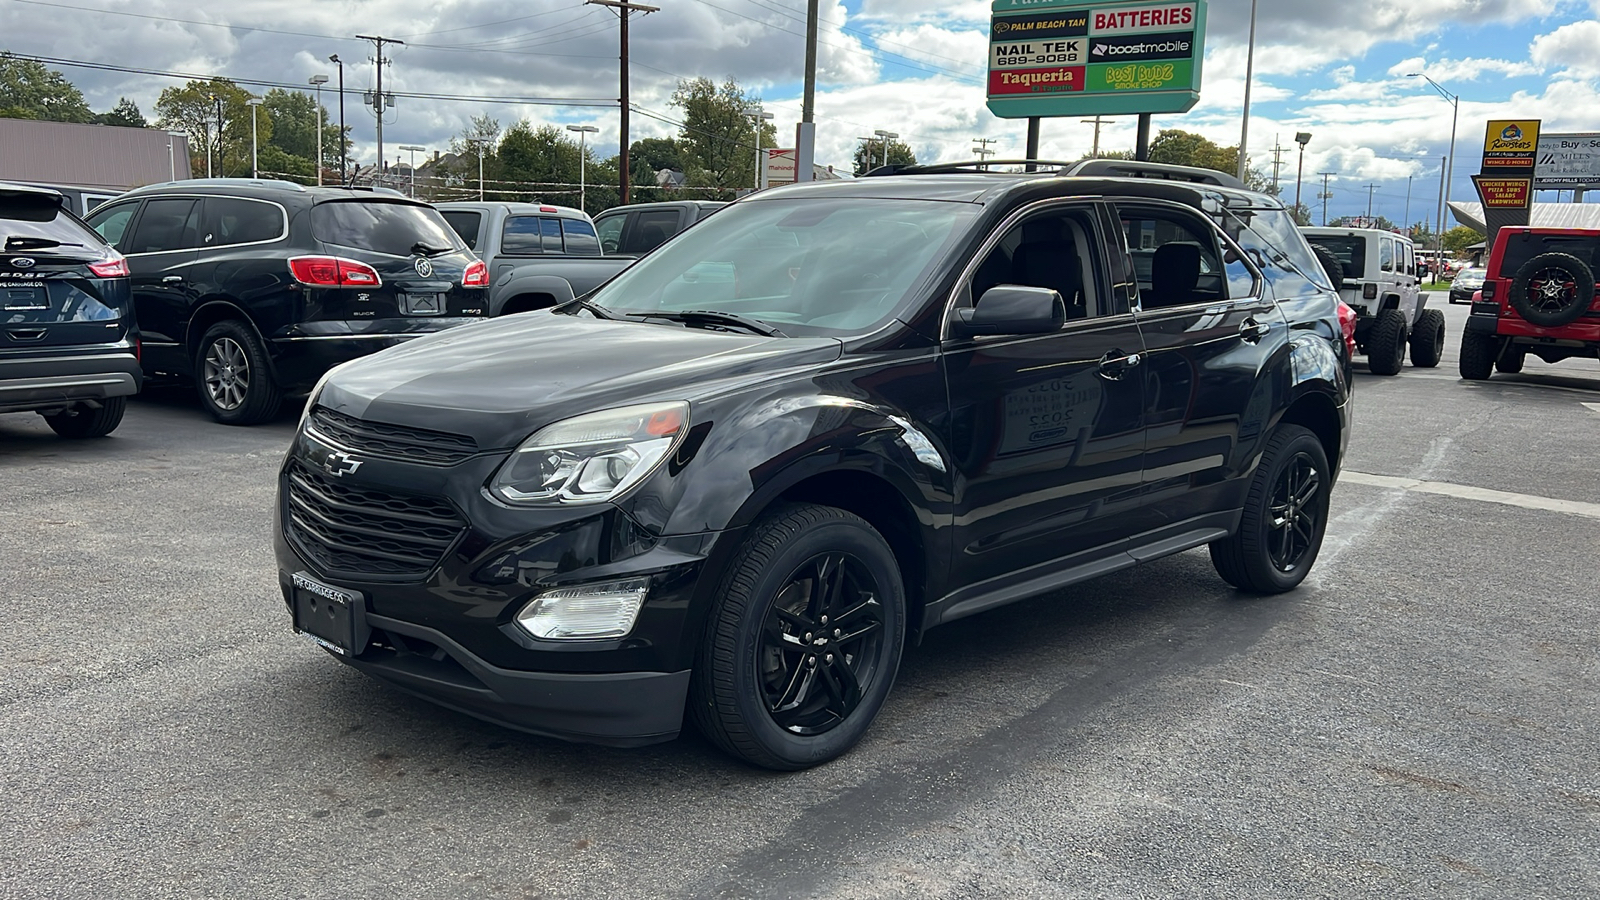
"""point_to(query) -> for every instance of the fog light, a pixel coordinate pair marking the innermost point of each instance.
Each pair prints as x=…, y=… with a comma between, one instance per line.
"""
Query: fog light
x=585, y=612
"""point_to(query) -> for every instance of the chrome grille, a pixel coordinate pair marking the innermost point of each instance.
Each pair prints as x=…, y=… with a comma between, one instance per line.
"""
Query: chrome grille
x=349, y=530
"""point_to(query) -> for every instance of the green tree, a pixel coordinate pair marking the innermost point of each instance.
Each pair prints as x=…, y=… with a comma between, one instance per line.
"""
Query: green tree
x=718, y=139
x=125, y=114
x=1185, y=148
x=194, y=109
x=294, y=122
x=1301, y=213
x=1459, y=238
x=542, y=160
x=30, y=90
x=654, y=154
x=869, y=155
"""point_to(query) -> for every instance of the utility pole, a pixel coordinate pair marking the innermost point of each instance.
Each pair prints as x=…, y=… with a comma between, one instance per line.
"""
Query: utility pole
x=870, y=141
x=805, y=135
x=218, y=101
x=1277, y=161
x=1443, y=188
x=1249, y=75
x=1407, y=222
x=1370, y=189
x=1096, y=122
x=623, y=10
x=1325, y=195
x=984, y=152
x=380, y=101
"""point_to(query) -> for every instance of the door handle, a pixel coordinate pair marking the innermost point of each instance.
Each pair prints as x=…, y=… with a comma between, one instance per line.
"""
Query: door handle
x=1115, y=362
x=1253, y=330
x=172, y=279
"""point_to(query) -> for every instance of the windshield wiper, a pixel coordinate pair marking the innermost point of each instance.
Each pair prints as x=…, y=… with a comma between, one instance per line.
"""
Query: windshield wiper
x=421, y=249
x=712, y=317
x=24, y=242
x=597, y=310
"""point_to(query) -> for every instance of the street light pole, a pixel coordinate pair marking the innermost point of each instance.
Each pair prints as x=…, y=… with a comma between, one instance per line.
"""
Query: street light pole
x=583, y=179
x=758, y=115
x=479, y=142
x=317, y=81
x=344, y=177
x=413, y=149
x=1450, y=163
x=887, y=137
x=255, y=166
x=1249, y=75
x=1302, y=138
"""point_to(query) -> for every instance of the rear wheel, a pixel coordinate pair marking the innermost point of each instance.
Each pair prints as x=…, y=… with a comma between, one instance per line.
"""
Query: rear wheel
x=1477, y=355
x=1511, y=359
x=234, y=375
x=803, y=647
x=83, y=422
x=1427, y=339
x=1386, y=343
x=1284, y=517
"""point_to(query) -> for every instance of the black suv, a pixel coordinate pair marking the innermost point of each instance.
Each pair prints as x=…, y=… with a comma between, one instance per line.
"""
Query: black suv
x=69, y=349
x=740, y=476
x=254, y=288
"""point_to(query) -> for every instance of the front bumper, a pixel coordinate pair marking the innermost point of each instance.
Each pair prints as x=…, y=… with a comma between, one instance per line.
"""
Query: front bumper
x=61, y=379
x=448, y=634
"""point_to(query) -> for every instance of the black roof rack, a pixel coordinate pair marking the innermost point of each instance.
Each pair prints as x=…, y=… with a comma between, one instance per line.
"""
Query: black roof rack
x=1101, y=168
x=974, y=165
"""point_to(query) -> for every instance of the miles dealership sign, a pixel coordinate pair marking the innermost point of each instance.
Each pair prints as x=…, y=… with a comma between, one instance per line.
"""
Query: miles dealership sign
x=1069, y=57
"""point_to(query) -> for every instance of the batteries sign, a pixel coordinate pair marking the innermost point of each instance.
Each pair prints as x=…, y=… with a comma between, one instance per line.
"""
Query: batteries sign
x=1117, y=57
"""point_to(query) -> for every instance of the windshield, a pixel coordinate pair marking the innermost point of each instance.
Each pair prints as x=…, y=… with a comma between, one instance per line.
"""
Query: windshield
x=1350, y=250
x=1471, y=277
x=393, y=228
x=804, y=265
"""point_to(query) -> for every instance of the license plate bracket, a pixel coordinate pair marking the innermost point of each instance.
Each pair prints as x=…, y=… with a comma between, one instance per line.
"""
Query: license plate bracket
x=422, y=304
x=334, y=617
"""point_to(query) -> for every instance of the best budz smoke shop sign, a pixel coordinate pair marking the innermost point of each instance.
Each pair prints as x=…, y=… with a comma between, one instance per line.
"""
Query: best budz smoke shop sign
x=1073, y=58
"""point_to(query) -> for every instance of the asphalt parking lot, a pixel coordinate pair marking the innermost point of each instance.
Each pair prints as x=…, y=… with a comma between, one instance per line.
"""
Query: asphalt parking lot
x=1419, y=720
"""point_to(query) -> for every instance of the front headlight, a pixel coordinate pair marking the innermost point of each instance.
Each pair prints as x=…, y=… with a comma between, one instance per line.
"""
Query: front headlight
x=591, y=458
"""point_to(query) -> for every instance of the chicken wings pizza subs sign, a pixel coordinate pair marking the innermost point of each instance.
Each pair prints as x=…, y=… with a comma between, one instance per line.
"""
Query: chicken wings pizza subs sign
x=1055, y=58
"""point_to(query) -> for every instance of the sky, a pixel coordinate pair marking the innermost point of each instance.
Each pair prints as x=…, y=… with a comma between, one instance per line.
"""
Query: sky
x=915, y=67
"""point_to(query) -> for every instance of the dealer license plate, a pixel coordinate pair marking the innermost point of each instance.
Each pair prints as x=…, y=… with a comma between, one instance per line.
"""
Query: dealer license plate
x=334, y=617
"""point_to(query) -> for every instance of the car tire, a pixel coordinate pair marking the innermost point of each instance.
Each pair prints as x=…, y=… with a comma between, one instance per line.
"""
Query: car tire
x=1330, y=264
x=1552, y=289
x=1511, y=359
x=1477, y=355
x=776, y=683
x=1285, y=516
x=1386, y=344
x=1427, y=339
x=233, y=375
x=83, y=422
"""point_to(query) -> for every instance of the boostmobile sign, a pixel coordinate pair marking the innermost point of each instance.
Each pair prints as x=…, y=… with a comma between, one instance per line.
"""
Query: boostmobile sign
x=1055, y=58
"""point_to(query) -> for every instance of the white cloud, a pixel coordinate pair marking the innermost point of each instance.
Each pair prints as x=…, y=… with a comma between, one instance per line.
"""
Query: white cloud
x=1574, y=47
x=1468, y=69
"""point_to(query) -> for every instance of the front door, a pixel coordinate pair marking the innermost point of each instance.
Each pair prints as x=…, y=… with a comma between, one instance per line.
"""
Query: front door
x=1210, y=328
x=1046, y=430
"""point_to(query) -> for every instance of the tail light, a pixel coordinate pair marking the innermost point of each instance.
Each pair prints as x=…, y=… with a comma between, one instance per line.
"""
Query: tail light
x=333, y=271
x=1347, y=324
x=116, y=267
x=1369, y=292
x=1488, y=290
x=477, y=275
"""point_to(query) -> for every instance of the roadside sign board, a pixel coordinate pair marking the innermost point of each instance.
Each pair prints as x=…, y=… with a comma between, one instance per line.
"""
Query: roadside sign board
x=1504, y=193
x=1510, y=147
x=780, y=167
x=1568, y=161
x=1081, y=57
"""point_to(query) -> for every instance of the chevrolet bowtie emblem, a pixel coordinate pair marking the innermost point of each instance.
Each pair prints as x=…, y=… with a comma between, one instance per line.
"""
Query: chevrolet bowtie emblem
x=339, y=464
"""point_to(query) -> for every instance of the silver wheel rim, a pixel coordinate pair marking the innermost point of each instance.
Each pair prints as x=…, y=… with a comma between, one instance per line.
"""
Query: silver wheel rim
x=227, y=374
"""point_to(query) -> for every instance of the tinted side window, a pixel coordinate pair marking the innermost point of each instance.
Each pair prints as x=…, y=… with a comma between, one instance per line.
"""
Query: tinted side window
x=112, y=222
x=465, y=223
x=550, y=230
x=167, y=224
x=609, y=228
x=1175, y=259
x=1059, y=250
x=1275, y=254
x=521, y=236
x=580, y=237
x=651, y=229
x=232, y=220
x=1386, y=256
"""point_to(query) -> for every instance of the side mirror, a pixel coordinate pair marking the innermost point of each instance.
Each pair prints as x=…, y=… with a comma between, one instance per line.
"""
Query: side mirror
x=1010, y=309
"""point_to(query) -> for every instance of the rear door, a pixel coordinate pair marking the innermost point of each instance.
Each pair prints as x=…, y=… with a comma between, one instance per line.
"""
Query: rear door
x=162, y=249
x=649, y=229
x=48, y=295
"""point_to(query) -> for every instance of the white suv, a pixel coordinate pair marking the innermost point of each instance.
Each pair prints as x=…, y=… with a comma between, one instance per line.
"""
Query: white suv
x=1376, y=272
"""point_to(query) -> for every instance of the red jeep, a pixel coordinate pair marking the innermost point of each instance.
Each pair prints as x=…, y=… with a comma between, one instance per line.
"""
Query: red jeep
x=1538, y=297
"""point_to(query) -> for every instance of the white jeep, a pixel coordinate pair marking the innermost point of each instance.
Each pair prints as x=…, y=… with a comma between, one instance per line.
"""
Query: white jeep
x=1376, y=273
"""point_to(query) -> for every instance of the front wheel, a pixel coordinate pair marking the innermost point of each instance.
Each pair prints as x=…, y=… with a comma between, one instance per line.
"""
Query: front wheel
x=804, y=645
x=234, y=375
x=1285, y=515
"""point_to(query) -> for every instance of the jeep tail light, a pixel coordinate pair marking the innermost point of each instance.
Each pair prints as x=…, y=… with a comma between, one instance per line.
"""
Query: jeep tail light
x=1347, y=324
x=333, y=271
x=1489, y=290
x=477, y=275
x=1369, y=292
x=116, y=267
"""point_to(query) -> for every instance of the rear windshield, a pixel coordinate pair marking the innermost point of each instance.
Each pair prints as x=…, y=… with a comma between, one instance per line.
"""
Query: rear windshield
x=1523, y=246
x=1351, y=251
x=34, y=223
x=399, y=229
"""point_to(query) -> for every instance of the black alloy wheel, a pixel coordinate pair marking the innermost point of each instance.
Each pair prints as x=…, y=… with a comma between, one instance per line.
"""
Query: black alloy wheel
x=233, y=375
x=1553, y=289
x=821, y=643
x=802, y=648
x=1285, y=516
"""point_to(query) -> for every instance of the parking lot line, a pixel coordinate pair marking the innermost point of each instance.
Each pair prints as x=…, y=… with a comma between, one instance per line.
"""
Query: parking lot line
x=1467, y=492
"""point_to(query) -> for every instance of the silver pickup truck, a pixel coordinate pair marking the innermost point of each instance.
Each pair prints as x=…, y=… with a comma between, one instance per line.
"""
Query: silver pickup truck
x=538, y=254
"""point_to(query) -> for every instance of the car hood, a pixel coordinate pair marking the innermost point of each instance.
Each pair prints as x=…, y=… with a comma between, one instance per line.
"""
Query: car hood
x=502, y=380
